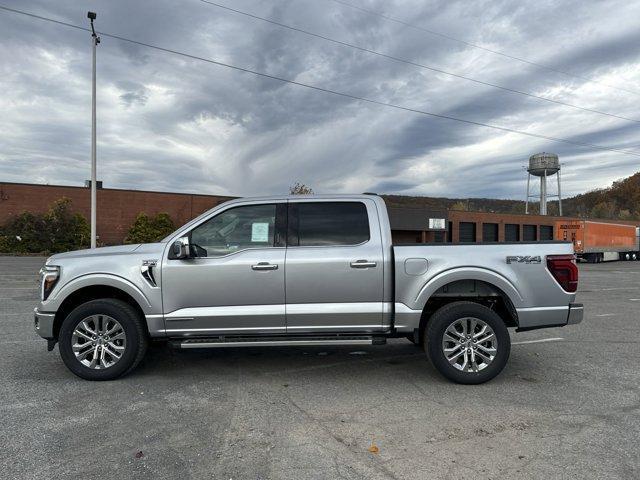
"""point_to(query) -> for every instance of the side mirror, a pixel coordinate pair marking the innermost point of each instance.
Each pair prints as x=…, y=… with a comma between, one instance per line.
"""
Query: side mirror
x=181, y=248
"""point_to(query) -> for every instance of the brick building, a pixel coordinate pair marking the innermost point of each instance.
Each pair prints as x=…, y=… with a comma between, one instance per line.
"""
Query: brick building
x=492, y=227
x=117, y=210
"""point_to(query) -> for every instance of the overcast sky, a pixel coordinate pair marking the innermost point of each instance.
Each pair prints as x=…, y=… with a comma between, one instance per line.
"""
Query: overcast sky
x=169, y=123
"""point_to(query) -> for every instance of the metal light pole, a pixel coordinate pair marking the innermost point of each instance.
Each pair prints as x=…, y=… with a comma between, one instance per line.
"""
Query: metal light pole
x=95, y=40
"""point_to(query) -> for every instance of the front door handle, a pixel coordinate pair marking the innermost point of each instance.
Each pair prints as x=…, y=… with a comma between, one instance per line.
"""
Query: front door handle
x=264, y=266
x=363, y=264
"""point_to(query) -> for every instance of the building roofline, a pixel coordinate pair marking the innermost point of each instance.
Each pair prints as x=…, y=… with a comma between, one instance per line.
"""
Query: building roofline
x=117, y=189
x=258, y=198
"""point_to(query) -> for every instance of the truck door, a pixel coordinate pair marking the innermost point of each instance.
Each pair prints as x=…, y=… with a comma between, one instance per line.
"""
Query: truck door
x=334, y=267
x=235, y=284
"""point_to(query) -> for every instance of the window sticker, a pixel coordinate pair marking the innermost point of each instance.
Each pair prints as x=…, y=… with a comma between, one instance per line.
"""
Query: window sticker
x=259, y=232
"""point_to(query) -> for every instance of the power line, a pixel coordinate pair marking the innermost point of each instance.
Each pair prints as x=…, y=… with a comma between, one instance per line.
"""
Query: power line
x=474, y=45
x=326, y=90
x=415, y=64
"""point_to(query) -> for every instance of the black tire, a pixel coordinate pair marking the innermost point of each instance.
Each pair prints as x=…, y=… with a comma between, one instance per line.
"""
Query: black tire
x=134, y=329
x=449, y=314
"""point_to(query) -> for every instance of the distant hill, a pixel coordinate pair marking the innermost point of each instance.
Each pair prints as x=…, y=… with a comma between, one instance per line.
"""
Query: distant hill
x=619, y=201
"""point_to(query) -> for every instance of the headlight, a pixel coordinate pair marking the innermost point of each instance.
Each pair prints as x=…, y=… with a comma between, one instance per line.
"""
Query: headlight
x=49, y=275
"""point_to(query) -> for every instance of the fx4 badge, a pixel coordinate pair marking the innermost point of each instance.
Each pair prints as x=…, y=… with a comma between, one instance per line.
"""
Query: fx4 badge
x=526, y=259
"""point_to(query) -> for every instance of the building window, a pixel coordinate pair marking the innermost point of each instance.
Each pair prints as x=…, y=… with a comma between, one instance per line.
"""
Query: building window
x=512, y=232
x=467, y=232
x=530, y=233
x=438, y=237
x=546, y=232
x=489, y=232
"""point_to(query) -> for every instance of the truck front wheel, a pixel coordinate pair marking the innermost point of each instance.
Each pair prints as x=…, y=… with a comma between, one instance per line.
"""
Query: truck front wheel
x=467, y=342
x=102, y=339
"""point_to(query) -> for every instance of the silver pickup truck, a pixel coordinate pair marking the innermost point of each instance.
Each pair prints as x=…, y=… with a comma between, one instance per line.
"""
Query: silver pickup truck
x=302, y=271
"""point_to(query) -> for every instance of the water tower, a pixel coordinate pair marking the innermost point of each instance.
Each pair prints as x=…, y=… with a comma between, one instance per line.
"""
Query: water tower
x=543, y=165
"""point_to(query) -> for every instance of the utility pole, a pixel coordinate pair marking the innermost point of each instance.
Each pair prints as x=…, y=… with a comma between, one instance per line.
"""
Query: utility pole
x=95, y=40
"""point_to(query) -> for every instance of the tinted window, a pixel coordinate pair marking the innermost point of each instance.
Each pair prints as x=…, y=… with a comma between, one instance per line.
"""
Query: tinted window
x=467, y=232
x=530, y=233
x=512, y=232
x=489, y=232
x=331, y=223
x=546, y=232
x=236, y=229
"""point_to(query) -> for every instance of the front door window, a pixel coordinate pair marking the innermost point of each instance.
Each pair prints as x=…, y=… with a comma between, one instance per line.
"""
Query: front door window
x=236, y=229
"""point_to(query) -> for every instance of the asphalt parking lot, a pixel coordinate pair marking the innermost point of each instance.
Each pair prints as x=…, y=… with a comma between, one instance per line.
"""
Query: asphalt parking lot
x=566, y=406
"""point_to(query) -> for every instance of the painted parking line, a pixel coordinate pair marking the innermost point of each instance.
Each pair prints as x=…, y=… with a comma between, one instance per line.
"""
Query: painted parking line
x=607, y=315
x=2, y=342
x=594, y=288
x=541, y=340
x=634, y=299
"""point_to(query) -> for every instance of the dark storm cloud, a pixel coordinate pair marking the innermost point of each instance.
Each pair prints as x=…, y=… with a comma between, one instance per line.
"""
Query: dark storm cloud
x=132, y=93
x=611, y=52
x=170, y=123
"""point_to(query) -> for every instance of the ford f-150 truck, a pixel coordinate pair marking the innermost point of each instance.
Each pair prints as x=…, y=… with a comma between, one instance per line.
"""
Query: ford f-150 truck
x=302, y=271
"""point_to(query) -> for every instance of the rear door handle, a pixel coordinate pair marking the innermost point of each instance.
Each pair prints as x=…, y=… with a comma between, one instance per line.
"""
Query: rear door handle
x=363, y=264
x=264, y=266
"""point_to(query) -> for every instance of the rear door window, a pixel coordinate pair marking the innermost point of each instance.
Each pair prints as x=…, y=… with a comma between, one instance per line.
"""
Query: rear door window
x=317, y=224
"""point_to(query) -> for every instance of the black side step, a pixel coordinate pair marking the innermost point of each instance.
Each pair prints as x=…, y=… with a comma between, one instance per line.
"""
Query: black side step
x=265, y=341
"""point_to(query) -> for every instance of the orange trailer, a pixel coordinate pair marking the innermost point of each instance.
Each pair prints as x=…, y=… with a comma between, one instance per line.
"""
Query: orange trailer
x=599, y=241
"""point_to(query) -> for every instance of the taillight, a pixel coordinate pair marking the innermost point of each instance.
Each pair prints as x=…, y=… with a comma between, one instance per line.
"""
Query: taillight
x=564, y=270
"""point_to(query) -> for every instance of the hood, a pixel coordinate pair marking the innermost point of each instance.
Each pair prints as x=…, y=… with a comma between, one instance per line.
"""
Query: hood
x=109, y=251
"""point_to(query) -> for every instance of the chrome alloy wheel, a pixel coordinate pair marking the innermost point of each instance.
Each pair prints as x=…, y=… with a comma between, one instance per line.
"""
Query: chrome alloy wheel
x=469, y=344
x=98, y=342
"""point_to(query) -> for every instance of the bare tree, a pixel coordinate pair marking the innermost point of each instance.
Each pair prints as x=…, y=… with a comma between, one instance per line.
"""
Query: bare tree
x=300, y=189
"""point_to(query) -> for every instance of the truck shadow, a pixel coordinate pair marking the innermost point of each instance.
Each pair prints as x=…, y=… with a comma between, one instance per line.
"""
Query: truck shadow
x=282, y=360
x=375, y=363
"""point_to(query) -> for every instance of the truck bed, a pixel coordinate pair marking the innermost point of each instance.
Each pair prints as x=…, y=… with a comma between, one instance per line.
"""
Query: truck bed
x=518, y=270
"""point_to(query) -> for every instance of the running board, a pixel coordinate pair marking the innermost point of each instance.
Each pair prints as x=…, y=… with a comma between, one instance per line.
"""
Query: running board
x=224, y=342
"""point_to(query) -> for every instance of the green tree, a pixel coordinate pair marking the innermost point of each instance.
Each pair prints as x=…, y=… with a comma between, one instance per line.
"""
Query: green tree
x=66, y=230
x=58, y=230
x=147, y=229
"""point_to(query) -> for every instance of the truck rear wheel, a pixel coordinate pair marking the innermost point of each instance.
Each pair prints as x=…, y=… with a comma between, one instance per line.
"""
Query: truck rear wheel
x=467, y=342
x=102, y=339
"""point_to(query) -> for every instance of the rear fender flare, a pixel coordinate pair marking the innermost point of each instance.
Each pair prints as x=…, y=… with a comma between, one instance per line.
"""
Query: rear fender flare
x=468, y=273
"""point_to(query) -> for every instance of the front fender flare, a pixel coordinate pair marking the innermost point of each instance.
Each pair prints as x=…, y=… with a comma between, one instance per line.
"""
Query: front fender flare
x=93, y=279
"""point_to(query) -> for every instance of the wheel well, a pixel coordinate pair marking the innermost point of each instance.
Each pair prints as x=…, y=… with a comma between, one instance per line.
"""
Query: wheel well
x=473, y=291
x=86, y=294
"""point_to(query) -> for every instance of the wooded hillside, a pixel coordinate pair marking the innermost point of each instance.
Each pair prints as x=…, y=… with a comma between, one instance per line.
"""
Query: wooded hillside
x=619, y=201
